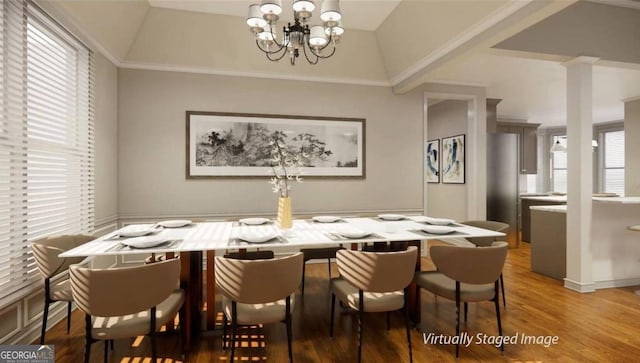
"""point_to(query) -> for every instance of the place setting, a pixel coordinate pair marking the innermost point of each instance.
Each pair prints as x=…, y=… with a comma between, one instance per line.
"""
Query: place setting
x=351, y=234
x=327, y=219
x=146, y=242
x=434, y=221
x=257, y=236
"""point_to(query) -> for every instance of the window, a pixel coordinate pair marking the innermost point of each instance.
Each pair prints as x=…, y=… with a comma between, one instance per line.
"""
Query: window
x=559, y=166
x=612, y=161
x=46, y=138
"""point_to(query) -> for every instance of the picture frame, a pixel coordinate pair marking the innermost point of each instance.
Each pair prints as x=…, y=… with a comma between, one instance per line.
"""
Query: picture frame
x=225, y=144
x=432, y=161
x=453, y=159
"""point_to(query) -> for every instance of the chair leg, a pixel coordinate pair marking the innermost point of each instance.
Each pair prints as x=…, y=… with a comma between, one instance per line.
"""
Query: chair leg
x=304, y=265
x=504, y=298
x=329, y=267
x=225, y=321
x=496, y=301
x=111, y=344
x=234, y=328
x=68, y=317
x=360, y=318
x=288, y=322
x=152, y=335
x=457, y=317
x=87, y=339
x=45, y=315
x=466, y=309
x=406, y=323
x=333, y=310
x=388, y=321
x=106, y=351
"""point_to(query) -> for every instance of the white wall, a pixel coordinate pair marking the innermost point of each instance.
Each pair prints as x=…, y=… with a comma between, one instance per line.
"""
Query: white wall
x=447, y=118
x=152, y=126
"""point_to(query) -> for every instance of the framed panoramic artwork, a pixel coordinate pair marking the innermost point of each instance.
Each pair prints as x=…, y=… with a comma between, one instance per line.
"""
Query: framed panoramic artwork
x=433, y=161
x=242, y=145
x=453, y=159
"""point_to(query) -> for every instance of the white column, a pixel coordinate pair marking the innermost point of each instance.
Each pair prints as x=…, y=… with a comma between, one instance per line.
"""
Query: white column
x=580, y=171
x=632, y=147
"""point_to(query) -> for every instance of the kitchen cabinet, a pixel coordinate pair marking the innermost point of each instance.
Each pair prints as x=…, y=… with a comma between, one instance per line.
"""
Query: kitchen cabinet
x=525, y=214
x=528, y=144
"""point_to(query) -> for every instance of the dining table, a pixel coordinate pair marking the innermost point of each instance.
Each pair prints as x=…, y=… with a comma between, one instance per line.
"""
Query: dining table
x=194, y=240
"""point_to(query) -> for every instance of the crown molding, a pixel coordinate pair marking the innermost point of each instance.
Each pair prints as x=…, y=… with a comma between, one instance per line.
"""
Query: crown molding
x=236, y=73
x=460, y=40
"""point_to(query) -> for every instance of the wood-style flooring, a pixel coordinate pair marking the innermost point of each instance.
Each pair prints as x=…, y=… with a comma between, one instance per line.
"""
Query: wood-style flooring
x=597, y=327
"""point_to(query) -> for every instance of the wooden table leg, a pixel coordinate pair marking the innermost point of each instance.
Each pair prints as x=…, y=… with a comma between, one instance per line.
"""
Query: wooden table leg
x=414, y=298
x=191, y=282
x=211, y=290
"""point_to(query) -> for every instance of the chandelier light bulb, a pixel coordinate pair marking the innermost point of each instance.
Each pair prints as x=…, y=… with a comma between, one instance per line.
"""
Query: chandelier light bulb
x=317, y=37
x=255, y=20
x=336, y=30
x=304, y=8
x=271, y=10
x=330, y=12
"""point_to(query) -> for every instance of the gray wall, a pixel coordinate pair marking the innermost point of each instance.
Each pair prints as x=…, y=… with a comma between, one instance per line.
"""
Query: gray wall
x=106, y=142
x=632, y=148
x=151, y=144
x=447, y=118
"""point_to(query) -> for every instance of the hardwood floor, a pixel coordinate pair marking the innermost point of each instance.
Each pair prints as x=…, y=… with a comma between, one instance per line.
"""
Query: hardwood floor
x=598, y=327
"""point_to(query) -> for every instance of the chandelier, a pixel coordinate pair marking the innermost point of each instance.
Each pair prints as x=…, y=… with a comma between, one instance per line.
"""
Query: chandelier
x=315, y=42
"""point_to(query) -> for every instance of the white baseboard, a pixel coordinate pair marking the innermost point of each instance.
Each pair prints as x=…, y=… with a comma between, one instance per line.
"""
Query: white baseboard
x=607, y=284
x=579, y=286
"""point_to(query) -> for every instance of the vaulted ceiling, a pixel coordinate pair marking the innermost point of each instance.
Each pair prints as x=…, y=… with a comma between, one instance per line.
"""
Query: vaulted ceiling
x=515, y=48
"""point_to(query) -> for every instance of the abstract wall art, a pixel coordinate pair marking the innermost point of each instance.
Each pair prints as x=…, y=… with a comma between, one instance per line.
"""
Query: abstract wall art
x=453, y=159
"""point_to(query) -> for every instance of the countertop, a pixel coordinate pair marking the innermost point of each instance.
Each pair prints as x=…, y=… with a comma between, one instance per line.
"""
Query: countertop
x=619, y=200
x=548, y=198
x=550, y=208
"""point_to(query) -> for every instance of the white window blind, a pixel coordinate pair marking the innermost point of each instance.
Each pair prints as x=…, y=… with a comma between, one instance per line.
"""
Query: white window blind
x=613, y=168
x=46, y=138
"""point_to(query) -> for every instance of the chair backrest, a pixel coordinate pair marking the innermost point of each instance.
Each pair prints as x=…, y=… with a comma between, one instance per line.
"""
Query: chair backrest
x=378, y=271
x=490, y=225
x=470, y=265
x=122, y=291
x=258, y=281
x=46, y=251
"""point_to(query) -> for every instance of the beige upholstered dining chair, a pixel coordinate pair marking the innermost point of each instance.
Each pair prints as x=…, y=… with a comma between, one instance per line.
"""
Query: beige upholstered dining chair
x=465, y=274
x=126, y=302
x=487, y=241
x=374, y=282
x=45, y=252
x=258, y=292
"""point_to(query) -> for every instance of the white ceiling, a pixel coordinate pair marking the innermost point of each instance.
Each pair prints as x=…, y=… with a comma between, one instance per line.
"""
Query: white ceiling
x=358, y=14
x=531, y=85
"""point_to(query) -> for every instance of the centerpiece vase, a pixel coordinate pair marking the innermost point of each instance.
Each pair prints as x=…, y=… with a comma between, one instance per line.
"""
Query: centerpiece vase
x=284, y=220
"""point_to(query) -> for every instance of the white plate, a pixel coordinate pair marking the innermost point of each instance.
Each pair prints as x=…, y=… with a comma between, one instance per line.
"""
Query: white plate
x=258, y=237
x=144, y=242
x=325, y=219
x=253, y=221
x=438, y=229
x=354, y=234
x=176, y=223
x=137, y=231
x=391, y=217
x=439, y=221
